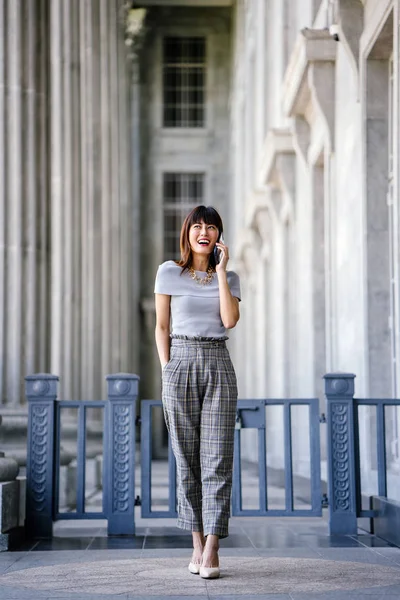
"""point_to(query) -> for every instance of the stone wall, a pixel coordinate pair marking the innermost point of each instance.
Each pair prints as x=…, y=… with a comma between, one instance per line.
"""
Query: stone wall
x=317, y=223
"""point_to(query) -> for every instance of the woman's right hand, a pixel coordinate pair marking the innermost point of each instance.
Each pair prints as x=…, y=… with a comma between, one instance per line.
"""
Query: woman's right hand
x=163, y=327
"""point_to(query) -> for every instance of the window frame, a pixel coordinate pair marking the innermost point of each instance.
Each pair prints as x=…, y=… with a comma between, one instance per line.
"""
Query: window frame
x=183, y=207
x=185, y=67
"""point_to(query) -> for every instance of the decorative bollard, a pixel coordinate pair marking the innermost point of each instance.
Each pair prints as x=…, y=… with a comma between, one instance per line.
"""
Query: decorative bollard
x=41, y=392
x=342, y=489
x=121, y=440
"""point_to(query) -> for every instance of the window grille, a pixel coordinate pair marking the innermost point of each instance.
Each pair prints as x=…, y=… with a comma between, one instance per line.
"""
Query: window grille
x=182, y=192
x=184, y=75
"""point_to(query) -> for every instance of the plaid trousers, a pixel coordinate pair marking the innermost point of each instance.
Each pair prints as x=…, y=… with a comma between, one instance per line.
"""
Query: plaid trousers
x=199, y=394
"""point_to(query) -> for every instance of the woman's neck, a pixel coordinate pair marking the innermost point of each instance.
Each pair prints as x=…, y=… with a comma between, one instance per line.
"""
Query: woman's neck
x=200, y=263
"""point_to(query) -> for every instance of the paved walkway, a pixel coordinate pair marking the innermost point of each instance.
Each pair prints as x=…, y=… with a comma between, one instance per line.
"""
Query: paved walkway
x=263, y=558
x=274, y=559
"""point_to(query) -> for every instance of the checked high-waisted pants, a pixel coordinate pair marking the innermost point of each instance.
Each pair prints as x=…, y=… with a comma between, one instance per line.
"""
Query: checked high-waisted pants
x=199, y=395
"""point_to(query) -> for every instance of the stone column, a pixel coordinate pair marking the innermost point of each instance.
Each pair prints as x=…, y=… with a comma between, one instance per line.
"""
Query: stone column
x=2, y=199
x=42, y=317
x=76, y=201
x=68, y=203
x=125, y=201
x=29, y=193
x=23, y=139
x=56, y=190
x=105, y=98
x=14, y=212
x=69, y=300
x=114, y=195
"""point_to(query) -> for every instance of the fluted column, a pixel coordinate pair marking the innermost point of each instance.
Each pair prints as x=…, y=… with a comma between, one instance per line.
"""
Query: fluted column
x=66, y=209
x=114, y=195
x=2, y=200
x=126, y=217
x=105, y=99
x=42, y=317
x=30, y=204
x=56, y=189
x=76, y=201
x=23, y=195
x=68, y=203
x=14, y=223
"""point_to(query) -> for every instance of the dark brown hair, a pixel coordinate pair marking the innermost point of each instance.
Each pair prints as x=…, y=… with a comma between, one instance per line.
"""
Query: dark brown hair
x=209, y=216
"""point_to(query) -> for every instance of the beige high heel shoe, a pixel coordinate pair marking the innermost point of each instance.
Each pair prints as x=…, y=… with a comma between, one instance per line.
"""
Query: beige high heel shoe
x=209, y=572
x=194, y=568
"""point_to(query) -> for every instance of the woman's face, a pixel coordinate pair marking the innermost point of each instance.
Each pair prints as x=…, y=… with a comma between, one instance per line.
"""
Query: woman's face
x=202, y=237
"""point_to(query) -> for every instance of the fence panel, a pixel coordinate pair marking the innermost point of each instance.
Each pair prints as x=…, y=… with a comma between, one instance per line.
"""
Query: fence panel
x=43, y=464
x=250, y=415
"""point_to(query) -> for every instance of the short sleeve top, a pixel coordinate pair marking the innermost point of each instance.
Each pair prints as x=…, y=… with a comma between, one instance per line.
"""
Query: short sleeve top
x=195, y=308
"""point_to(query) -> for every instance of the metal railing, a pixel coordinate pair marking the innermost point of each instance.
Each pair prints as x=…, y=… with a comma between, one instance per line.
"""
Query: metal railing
x=43, y=456
x=344, y=468
x=343, y=456
x=250, y=414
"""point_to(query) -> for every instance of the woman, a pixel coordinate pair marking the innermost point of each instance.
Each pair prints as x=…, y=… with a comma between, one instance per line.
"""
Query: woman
x=199, y=390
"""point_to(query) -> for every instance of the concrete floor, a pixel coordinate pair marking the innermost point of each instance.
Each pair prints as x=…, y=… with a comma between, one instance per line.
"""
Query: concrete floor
x=263, y=558
x=286, y=558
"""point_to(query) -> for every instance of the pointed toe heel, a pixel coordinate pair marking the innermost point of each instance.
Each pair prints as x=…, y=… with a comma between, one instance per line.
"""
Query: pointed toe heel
x=209, y=572
x=193, y=568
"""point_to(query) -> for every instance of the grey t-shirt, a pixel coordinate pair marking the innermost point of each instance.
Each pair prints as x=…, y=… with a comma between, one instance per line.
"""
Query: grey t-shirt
x=195, y=310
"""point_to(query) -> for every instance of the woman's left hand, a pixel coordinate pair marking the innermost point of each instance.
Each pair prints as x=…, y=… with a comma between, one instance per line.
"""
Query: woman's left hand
x=224, y=250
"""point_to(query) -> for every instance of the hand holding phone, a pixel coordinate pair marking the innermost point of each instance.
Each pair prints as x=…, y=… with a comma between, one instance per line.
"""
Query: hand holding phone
x=217, y=251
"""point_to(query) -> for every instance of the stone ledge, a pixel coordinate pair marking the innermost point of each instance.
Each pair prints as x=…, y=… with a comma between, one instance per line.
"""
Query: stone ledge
x=313, y=45
x=387, y=523
x=12, y=540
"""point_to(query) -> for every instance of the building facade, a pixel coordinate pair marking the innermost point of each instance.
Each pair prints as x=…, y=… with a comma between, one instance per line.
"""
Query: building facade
x=315, y=166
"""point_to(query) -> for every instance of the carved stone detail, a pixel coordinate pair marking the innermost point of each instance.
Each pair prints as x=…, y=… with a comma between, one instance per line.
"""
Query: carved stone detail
x=121, y=455
x=122, y=387
x=41, y=388
x=38, y=456
x=340, y=457
x=340, y=386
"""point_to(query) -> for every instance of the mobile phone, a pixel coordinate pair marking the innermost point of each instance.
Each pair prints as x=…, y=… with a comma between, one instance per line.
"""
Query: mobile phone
x=217, y=252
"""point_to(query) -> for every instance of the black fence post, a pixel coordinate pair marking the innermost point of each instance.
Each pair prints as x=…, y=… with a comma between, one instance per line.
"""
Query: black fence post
x=342, y=488
x=121, y=441
x=41, y=392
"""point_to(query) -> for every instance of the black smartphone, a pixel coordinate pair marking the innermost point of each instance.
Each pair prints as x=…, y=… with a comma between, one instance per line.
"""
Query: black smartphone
x=217, y=252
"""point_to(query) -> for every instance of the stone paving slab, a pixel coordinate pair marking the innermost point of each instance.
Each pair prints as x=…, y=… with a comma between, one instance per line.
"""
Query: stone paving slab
x=168, y=577
x=386, y=593
x=263, y=559
x=362, y=555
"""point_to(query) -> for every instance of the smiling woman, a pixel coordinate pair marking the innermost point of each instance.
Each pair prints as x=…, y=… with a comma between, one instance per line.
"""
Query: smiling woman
x=197, y=300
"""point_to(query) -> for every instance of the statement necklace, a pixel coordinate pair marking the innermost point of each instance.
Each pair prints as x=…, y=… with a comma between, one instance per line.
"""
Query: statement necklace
x=202, y=280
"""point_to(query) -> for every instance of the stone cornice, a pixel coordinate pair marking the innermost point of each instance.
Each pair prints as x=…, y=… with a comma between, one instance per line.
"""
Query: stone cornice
x=310, y=77
x=313, y=45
